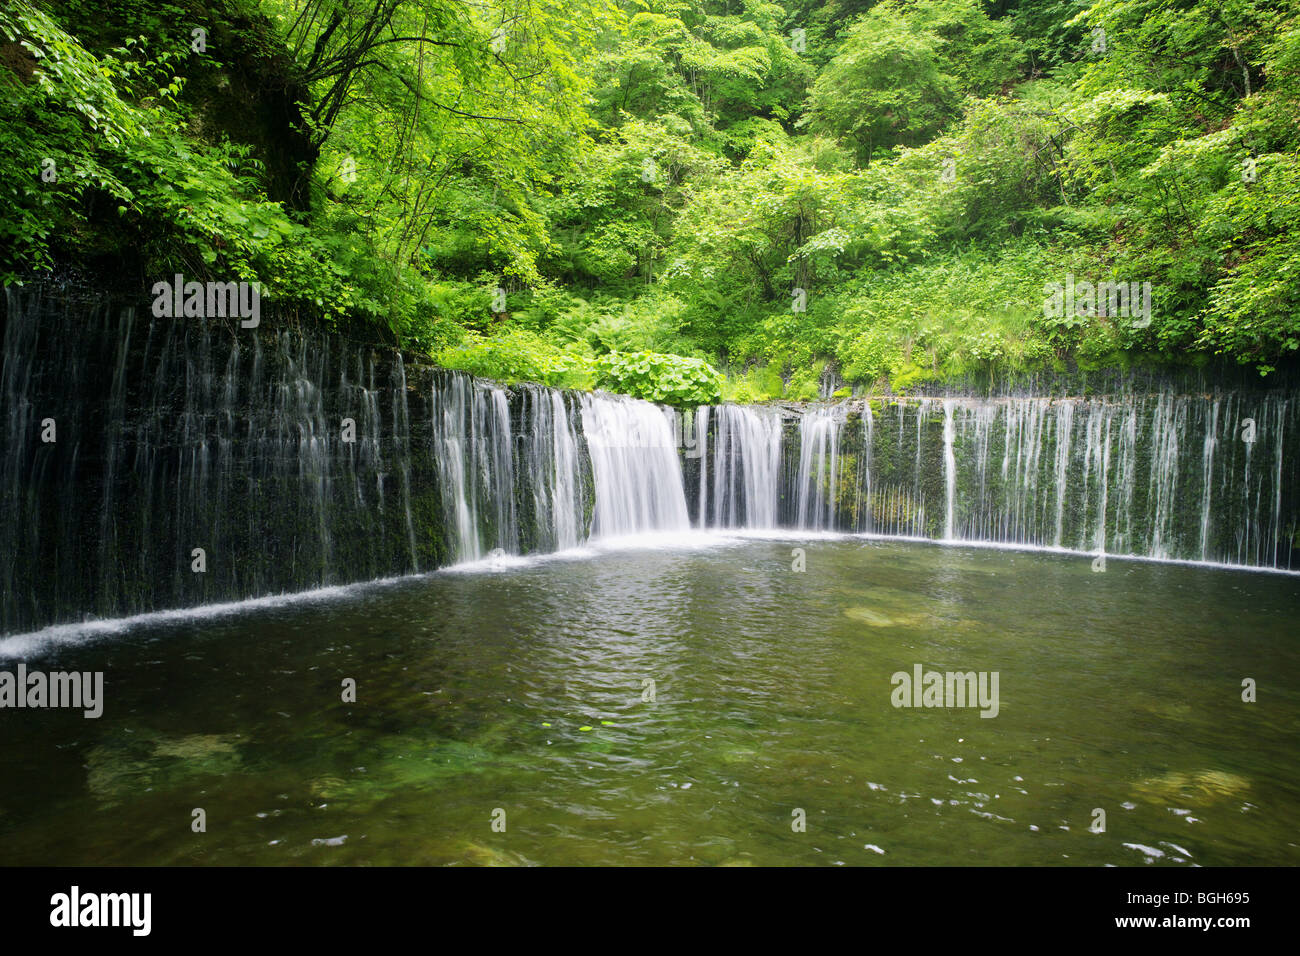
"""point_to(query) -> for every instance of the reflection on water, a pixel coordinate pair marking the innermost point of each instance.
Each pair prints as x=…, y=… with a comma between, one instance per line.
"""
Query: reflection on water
x=678, y=705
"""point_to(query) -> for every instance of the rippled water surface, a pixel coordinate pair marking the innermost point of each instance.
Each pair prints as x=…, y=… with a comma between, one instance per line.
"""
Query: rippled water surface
x=523, y=689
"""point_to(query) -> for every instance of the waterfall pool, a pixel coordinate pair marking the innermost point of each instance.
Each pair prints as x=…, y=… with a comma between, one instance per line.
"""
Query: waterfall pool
x=692, y=700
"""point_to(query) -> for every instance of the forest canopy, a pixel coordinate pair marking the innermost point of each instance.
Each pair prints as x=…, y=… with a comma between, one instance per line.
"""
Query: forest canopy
x=630, y=195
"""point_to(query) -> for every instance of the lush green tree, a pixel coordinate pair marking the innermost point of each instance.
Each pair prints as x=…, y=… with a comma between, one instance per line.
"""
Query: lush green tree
x=903, y=68
x=536, y=189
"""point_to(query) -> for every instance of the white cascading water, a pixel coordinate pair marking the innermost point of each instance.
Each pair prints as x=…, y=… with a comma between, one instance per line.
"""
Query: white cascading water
x=1167, y=426
x=746, y=472
x=1064, y=427
x=635, y=467
x=552, y=466
x=863, y=500
x=1112, y=475
x=402, y=430
x=1207, y=475
x=700, y=446
x=949, y=470
x=476, y=465
x=1161, y=475
x=564, y=474
x=819, y=467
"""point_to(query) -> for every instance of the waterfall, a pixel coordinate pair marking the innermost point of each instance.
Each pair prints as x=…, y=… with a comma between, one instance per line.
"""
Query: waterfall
x=1207, y=475
x=187, y=462
x=1204, y=477
x=819, y=467
x=513, y=475
x=862, y=502
x=1063, y=432
x=1167, y=426
x=634, y=462
x=402, y=439
x=746, y=469
x=473, y=447
x=1277, y=529
x=701, y=443
x=551, y=476
x=949, y=470
x=156, y=463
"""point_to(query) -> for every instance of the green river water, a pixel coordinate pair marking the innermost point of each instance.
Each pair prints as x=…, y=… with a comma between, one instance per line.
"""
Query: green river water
x=519, y=695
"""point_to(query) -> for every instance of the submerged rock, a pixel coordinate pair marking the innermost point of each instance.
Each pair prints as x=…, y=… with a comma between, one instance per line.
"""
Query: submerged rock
x=876, y=617
x=140, y=760
x=478, y=855
x=869, y=616
x=1198, y=788
x=195, y=746
x=879, y=594
x=330, y=788
x=738, y=754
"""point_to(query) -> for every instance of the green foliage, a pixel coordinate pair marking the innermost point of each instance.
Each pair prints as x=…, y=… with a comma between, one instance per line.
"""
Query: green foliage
x=886, y=89
x=1251, y=313
x=655, y=187
x=902, y=69
x=669, y=379
x=96, y=148
x=761, y=383
x=517, y=355
x=952, y=317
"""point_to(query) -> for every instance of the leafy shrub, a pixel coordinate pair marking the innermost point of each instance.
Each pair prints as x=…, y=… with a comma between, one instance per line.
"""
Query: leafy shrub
x=660, y=378
x=805, y=383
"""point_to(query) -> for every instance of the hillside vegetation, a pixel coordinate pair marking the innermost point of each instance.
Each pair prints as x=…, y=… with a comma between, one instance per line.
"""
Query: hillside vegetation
x=633, y=194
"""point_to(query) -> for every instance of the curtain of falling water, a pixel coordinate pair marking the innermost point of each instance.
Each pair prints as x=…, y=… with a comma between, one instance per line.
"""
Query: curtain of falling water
x=155, y=463
x=635, y=463
x=1163, y=474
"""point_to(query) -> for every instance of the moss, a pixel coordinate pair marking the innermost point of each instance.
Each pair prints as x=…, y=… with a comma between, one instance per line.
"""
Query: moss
x=910, y=375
